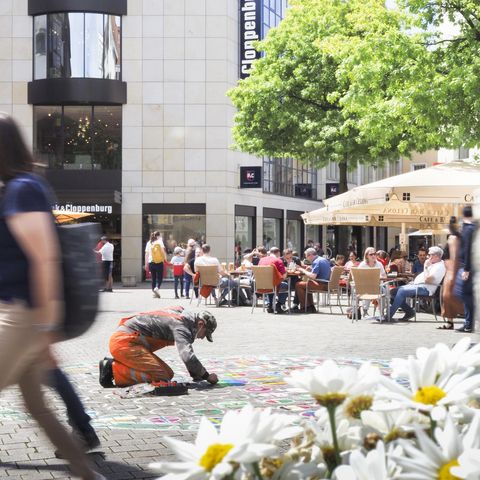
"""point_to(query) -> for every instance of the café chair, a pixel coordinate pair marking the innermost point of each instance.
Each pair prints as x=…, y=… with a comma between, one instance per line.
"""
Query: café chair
x=366, y=286
x=262, y=283
x=208, y=283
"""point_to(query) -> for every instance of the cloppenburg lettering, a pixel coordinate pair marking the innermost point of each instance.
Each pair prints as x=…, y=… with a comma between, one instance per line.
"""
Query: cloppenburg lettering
x=83, y=208
x=249, y=33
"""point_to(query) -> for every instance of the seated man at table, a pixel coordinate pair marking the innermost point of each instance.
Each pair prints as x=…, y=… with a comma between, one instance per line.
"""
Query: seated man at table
x=426, y=283
x=318, y=278
x=226, y=283
x=273, y=258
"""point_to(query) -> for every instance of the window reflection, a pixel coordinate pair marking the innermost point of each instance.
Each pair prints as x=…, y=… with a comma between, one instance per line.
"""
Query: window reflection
x=78, y=137
x=47, y=135
x=107, y=145
x=40, y=47
x=68, y=45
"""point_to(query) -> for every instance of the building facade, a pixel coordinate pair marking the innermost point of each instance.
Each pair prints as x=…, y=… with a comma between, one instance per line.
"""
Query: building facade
x=124, y=103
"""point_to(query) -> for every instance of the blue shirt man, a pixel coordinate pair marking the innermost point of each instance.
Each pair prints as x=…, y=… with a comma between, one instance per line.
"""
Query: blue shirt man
x=418, y=265
x=318, y=278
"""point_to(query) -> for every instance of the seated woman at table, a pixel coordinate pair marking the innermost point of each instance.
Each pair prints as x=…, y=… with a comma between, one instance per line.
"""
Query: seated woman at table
x=383, y=258
x=399, y=260
x=370, y=261
x=352, y=262
x=339, y=261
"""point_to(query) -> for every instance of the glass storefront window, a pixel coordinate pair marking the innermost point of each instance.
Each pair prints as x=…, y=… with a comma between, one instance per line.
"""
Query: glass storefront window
x=294, y=235
x=312, y=234
x=65, y=45
x=271, y=233
x=40, y=46
x=176, y=229
x=78, y=137
x=76, y=45
x=47, y=135
x=107, y=145
x=243, y=235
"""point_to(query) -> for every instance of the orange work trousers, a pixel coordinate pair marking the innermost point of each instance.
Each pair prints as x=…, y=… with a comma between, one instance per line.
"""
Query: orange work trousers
x=134, y=360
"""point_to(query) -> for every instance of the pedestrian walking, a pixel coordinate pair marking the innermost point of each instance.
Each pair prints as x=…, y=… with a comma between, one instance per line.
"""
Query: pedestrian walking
x=155, y=257
x=29, y=288
x=464, y=280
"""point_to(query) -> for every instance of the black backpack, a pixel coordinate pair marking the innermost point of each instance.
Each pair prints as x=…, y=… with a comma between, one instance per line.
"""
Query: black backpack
x=81, y=276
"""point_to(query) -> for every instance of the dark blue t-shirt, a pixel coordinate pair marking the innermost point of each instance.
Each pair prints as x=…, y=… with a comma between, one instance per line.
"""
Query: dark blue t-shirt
x=25, y=193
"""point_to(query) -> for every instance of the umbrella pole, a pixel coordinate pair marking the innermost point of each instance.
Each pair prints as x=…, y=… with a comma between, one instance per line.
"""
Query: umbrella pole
x=403, y=238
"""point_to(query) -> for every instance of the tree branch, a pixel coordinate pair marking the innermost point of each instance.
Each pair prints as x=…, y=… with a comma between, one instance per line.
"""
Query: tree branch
x=325, y=107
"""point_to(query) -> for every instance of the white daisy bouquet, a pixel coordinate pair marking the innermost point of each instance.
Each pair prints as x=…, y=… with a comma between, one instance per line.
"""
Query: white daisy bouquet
x=421, y=424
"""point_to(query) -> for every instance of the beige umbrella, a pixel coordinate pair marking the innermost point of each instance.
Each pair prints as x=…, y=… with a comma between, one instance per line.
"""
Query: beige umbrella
x=452, y=183
x=392, y=213
x=62, y=216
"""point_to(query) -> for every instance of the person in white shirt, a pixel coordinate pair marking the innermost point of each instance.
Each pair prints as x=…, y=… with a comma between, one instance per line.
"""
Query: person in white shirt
x=426, y=283
x=370, y=261
x=106, y=251
x=226, y=283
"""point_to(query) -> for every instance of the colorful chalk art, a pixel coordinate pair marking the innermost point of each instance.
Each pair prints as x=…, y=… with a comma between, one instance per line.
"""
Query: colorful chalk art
x=256, y=380
x=259, y=381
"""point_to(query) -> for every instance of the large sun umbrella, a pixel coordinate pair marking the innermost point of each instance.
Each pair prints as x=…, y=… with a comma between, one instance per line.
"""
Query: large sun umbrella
x=391, y=213
x=62, y=216
x=452, y=183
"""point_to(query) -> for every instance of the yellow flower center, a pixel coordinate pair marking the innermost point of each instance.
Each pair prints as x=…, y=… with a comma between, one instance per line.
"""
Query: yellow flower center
x=330, y=399
x=444, y=472
x=430, y=395
x=357, y=405
x=214, y=455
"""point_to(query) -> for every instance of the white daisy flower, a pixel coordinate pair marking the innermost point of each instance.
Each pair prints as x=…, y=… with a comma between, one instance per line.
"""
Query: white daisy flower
x=244, y=437
x=468, y=465
x=374, y=466
x=392, y=424
x=429, y=387
x=461, y=355
x=330, y=384
x=433, y=461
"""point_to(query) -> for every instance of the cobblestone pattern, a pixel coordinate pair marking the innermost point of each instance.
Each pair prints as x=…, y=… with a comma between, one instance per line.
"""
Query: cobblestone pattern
x=251, y=353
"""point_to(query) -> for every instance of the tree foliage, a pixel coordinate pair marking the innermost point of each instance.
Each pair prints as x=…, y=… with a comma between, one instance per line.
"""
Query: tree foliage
x=354, y=81
x=291, y=105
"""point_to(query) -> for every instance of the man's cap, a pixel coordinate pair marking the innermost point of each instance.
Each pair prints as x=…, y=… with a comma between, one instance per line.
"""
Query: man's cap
x=210, y=323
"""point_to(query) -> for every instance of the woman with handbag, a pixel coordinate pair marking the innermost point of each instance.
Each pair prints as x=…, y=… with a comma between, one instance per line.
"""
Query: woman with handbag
x=29, y=288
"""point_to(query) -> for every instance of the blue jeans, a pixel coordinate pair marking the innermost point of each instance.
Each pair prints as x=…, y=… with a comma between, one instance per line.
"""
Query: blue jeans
x=178, y=279
x=77, y=417
x=188, y=280
x=400, y=295
x=282, y=293
x=464, y=289
x=156, y=269
x=226, y=284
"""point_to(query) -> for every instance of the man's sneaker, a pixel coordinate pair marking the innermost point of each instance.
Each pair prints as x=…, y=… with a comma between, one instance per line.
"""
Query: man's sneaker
x=280, y=308
x=106, y=373
x=156, y=292
x=169, y=388
x=407, y=317
x=269, y=309
x=464, y=330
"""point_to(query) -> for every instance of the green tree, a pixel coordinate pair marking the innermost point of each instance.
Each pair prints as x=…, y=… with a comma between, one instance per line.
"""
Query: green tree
x=292, y=103
x=422, y=80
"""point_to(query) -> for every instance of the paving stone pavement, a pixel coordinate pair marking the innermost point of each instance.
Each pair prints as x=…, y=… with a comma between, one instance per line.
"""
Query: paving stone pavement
x=251, y=353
